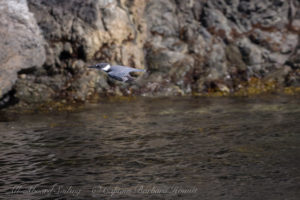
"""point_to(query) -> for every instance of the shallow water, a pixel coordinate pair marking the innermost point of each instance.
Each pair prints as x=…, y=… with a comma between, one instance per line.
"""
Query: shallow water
x=181, y=148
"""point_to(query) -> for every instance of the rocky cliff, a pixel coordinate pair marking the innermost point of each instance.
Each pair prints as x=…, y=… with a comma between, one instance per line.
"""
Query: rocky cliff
x=187, y=47
x=22, y=45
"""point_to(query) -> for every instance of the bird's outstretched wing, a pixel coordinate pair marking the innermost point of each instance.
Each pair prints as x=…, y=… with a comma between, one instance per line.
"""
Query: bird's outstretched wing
x=122, y=72
x=115, y=77
x=137, y=70
x=125, y=69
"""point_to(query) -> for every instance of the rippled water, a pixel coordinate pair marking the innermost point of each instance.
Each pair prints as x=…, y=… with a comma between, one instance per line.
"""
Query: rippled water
x=187, y=148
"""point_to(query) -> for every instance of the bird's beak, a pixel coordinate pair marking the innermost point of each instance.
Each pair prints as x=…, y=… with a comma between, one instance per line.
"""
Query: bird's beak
x=93, y=66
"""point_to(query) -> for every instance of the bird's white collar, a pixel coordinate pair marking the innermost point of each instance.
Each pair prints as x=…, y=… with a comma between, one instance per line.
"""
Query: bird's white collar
x=107, y=68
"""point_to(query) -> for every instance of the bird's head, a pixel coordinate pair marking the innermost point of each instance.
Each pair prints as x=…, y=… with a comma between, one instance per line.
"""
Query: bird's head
x=101, y=66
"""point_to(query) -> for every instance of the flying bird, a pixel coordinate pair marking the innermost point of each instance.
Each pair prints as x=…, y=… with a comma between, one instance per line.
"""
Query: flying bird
x=117, y=72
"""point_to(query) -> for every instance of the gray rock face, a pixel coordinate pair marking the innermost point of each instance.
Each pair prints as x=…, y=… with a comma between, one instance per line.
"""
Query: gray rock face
x=186, y=46
x=21, y=43
x=227, y=41
x=82, y=32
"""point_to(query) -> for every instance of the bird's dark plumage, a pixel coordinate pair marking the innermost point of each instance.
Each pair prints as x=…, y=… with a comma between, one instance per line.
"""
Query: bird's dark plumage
x=120, y=73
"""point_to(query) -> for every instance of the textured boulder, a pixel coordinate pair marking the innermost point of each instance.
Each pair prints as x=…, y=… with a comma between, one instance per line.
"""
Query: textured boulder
x=21, y=43
x=229, y=41
x=82, y=32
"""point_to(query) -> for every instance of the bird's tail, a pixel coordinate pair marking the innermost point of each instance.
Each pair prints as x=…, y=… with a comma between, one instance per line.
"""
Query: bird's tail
x=140, y=70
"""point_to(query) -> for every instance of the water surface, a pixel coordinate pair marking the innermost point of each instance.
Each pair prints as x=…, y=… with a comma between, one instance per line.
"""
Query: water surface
x=181, y=148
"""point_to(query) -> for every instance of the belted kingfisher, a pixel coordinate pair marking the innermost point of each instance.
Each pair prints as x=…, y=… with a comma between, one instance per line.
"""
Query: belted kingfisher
x=120, y=73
